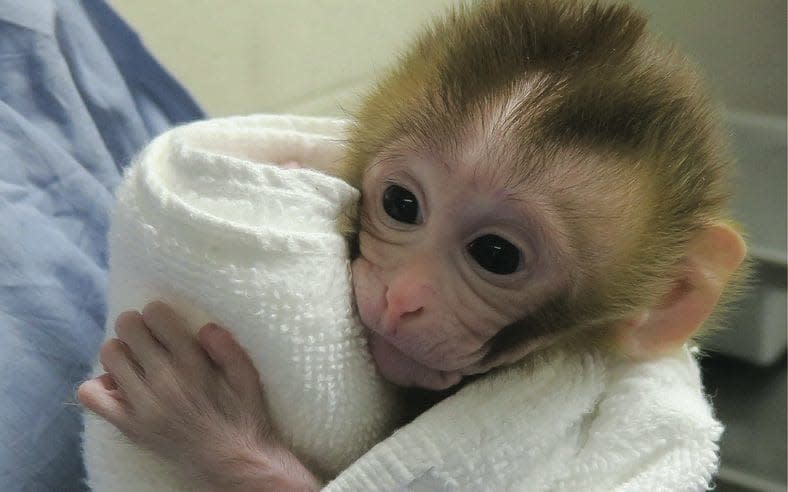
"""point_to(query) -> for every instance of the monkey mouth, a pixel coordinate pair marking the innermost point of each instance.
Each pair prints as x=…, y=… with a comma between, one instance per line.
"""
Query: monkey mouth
x=402, y=370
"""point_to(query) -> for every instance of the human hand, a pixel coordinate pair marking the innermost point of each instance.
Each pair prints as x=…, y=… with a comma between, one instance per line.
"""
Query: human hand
x=196, y=402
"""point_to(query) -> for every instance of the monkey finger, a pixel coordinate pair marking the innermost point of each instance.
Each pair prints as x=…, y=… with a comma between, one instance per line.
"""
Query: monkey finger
x=100, y=396
x=231, y=358
x=107, y=382
x=146, y=349
x=118, y=361
x=170, y=330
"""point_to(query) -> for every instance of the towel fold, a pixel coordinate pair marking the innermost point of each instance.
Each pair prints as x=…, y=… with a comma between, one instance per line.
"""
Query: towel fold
x=206, y=221
x=561, y=421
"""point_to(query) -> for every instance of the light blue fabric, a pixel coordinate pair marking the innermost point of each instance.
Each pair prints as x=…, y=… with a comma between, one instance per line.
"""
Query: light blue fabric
x=79, y=96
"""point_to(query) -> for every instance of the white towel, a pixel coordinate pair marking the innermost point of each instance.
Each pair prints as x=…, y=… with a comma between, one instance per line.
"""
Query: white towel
x=558, y=422
x=563, y=422
x=206, y=223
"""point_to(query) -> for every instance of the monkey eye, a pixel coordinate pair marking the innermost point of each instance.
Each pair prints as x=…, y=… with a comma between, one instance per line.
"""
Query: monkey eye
x=401, y=205
x=495, y=254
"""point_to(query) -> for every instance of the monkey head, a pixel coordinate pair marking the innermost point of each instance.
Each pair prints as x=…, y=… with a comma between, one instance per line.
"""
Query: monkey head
x=536, y=172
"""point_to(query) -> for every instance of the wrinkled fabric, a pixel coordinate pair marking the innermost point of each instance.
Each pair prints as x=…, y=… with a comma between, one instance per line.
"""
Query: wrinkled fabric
x=559, y=421
x=79, y=96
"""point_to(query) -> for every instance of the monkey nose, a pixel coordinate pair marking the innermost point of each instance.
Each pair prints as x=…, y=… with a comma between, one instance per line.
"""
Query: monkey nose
x=402, y=306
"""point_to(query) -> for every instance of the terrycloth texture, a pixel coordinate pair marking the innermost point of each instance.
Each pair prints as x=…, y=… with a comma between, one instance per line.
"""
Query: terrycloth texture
x=565, y=422
x=204, y=223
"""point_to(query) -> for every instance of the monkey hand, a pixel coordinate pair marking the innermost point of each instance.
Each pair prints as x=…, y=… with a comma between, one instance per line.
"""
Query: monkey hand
x=196, y=403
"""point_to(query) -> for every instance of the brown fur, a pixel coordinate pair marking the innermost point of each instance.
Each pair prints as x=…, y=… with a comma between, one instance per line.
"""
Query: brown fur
x=578, y=75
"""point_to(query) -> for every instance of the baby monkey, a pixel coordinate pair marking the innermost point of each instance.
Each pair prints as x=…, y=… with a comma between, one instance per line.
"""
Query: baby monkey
x=533, y=173
x=536, y=172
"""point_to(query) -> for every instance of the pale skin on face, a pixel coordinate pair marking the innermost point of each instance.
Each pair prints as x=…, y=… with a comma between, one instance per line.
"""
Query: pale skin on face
x=431, y=306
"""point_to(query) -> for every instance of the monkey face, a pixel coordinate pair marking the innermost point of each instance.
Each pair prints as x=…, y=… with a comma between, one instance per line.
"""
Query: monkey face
x=448, y=256
x=553, y=187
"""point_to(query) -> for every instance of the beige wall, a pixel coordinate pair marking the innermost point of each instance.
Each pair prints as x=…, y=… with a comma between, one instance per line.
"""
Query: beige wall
x=302, y=56
x=740, y=44
x=314, y=56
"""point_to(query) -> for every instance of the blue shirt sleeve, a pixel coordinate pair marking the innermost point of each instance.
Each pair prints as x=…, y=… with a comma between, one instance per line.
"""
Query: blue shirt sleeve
x=79, y=97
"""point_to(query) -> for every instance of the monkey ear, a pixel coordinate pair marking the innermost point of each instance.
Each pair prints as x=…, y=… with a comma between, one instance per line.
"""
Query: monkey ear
x=712, y=257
